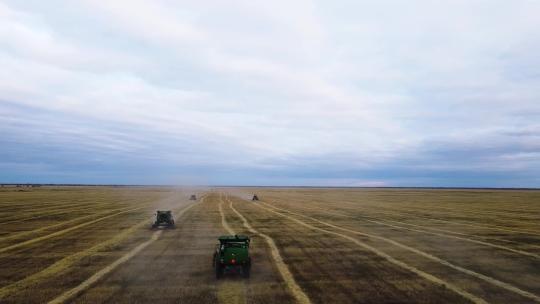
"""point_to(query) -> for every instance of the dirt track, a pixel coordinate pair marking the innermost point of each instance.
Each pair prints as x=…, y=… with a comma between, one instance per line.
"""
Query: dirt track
x=308, y=245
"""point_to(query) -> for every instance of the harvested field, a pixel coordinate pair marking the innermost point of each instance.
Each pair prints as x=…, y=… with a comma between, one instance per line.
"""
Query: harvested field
x=94, y=245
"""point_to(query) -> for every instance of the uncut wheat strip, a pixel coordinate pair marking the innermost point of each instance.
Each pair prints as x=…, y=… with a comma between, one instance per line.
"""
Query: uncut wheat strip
x=64, y=231
x=365, y=218
x=282, y=267
x=429, y=277
x=480, y=276
x=98, y=276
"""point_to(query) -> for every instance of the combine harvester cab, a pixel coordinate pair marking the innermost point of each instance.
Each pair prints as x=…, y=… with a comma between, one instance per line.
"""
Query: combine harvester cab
x=255, y=197
x=232, y=255
x=164, y=219
x=193, y=197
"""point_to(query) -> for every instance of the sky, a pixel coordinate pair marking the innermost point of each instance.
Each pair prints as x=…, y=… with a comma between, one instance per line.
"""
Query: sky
x=306, y=93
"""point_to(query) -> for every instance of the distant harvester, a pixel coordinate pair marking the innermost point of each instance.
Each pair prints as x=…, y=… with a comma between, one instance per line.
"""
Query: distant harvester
x=164, y=218
x=255, y=197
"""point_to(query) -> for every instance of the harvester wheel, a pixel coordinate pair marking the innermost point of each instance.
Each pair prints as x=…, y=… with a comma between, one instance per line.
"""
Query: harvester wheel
x=246, y=270
x=219, y=270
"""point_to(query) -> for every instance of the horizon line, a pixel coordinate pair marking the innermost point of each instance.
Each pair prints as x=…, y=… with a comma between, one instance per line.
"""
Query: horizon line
x=266, y=186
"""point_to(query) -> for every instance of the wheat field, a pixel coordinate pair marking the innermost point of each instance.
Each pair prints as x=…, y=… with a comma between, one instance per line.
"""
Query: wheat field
x=309, y=245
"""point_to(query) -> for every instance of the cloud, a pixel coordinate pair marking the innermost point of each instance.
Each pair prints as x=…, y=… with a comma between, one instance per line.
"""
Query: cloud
x=223, y=92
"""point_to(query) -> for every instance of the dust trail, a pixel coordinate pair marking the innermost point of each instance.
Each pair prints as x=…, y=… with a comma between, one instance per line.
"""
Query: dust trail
x=480, y=276
x=230, y=291
x=64, y=231
x=74, y=292
x=429, y=232
x=286, y=274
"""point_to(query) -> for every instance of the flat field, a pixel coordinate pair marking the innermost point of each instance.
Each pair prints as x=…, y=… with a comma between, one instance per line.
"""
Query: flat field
x=95, y=245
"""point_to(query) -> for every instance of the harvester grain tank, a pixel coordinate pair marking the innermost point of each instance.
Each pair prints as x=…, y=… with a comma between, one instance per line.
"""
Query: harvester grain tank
x=231, y=255
x=164, y=218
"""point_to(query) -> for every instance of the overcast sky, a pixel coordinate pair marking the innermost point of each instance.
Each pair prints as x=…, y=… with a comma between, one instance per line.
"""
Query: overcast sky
x=338, y=93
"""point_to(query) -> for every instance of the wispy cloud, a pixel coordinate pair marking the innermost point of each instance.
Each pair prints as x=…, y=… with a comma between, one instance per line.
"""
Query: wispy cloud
x=310, y=92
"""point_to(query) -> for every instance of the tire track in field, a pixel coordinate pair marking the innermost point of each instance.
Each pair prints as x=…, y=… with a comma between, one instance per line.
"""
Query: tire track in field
x=521, y=252
x=480, y=276
x=396, y=213
x=224, y=222
x=516, y=214
x=509, y=214
x=286, y=274
x=422, y=274
x=229, y=291
x=452, y=213
x=74, y=292
x=67, y=262
x=455, y=232
x=458, y=222
x=64, y=231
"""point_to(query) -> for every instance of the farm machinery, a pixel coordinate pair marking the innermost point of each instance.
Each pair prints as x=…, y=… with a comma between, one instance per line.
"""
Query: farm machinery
x=193, y=197
x=255, y=197
x=232, y=255
x=164, y=218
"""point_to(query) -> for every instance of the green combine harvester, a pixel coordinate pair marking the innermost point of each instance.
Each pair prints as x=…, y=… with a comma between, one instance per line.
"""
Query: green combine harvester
x=232, y=255
x=164, y=218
